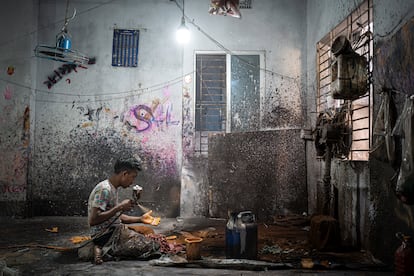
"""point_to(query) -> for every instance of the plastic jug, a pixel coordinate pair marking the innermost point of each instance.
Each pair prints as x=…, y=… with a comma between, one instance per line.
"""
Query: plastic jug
x=241, y=236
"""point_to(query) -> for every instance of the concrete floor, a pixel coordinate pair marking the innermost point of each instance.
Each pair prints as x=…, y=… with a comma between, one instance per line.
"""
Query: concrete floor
x=20, y=240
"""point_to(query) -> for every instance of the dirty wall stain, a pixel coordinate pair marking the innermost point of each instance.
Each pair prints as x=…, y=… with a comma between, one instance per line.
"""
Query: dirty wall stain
x=143, y=120
x=14, y=180
x=68, y=171
x=282, y=104
x=146, y=121
x=68, y=165
x=188, y=125
x=394, y=60
x=87, y=158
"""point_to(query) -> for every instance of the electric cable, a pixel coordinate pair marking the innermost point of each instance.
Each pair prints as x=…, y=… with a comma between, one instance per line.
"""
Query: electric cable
x=52, y=24
x=150, y=89
x=225, y=49
x=139, y=91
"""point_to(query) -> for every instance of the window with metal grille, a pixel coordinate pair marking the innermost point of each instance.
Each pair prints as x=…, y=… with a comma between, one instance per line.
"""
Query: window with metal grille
x=227, y=94
x=245, y=4
x=125, y=48
x=210, y=109
x=357, y=27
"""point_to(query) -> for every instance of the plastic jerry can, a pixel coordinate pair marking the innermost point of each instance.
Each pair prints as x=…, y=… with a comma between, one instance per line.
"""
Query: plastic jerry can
x=241, y=236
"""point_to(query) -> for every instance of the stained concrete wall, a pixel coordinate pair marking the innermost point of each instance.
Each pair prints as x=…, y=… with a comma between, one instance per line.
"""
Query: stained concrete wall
x=99, y=112
x=393, y=69
x=263, y=172
x=274, y=28
x=80, y=125
x=17, y=26
x=369, y=213
x=90, y=116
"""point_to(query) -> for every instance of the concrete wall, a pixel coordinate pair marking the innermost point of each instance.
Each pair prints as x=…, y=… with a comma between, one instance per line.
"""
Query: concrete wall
x=17, y=75
x=100, y=112
x=351, y=186
x=82, y=123
x=369, y=213
x=58, y=143
x=274, y=28
x=263, y=172
x=393, y=69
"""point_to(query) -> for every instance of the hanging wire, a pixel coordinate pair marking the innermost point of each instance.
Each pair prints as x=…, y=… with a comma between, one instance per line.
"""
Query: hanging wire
x=149, y=88
x=122, y=94
x=53, y=24
x=66, y=12
x=226, y=50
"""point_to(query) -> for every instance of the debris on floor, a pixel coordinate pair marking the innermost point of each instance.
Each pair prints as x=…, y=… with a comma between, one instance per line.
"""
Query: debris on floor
x=281, y=244
x=52, y=230
x=79, y=239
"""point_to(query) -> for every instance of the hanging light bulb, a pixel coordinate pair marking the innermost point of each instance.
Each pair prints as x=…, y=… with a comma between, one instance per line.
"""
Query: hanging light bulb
x=183, y=33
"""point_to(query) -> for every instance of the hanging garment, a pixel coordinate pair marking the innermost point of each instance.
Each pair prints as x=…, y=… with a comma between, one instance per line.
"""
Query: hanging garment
x=225, y=7
x=384, y=142
x=405, y=129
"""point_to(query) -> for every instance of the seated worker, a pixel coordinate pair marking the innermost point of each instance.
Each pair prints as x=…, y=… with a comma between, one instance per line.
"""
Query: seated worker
x=106, y=218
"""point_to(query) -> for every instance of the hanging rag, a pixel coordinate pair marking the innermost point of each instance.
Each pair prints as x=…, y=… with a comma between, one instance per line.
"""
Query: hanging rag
x=384, y=142
x=405, y=129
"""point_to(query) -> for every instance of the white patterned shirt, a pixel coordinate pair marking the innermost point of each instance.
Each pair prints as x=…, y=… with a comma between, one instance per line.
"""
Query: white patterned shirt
x=105, y=197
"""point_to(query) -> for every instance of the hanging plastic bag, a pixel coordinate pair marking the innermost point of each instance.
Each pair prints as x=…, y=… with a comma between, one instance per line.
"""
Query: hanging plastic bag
x=225, y=7
x=405, y=129
x=384, y=142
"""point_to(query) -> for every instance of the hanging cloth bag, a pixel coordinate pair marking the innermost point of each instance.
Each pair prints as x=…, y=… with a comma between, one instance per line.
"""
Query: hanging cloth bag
x=405, y=129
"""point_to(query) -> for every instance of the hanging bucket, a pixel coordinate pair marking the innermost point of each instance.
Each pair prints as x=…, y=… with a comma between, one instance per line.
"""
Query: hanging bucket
x=63, y=41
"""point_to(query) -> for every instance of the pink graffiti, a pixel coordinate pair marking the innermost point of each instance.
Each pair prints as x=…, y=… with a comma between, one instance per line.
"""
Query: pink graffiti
x=13, y=189
x=167, y=92
x=7, y=93
x=144, y=139
x=143, y=117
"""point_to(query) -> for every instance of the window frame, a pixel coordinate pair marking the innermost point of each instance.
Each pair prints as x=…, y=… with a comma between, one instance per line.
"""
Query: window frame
x=228, y=127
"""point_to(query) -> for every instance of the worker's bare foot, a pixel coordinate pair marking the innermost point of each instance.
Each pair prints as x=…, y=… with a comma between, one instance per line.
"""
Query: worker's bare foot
x=97, y=251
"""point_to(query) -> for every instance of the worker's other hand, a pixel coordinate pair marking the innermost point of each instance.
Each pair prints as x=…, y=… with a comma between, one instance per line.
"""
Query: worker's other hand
x=147, y=218
x=126, y=205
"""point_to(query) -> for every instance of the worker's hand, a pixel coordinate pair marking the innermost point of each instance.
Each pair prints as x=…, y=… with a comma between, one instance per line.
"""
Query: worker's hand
x=126, y=205
x=147, y=218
